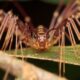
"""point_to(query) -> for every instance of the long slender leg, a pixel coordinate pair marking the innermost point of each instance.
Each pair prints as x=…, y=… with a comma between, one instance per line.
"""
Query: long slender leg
x=62, y=50
x=16, y=40
x=56, y=14
x=13, y=32
x=54, y=18
x=76, y=17
x=11, y=40
x=21, y=50
x=68, y=11
x=74, y=8
x=73, y=42
x=74, y=26
x=62, y=15
x=63, y=44
x=77, y=21
x=6, y=74
x=67, y=35
x=7, y=38
x=2, y=15
x=61, y=18
x=60, y=63
x=10, y=32
x=4, y=24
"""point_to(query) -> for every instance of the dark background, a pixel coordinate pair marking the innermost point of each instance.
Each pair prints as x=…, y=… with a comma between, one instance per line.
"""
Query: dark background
x=40, y=13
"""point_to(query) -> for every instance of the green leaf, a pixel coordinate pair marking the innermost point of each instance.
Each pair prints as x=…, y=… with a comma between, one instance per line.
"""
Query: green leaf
x=69, y=55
